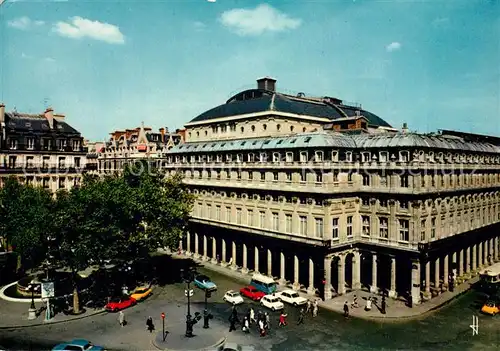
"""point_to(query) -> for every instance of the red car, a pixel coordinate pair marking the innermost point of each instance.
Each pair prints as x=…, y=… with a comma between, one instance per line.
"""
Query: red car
x=252, y=293
x=120, y=303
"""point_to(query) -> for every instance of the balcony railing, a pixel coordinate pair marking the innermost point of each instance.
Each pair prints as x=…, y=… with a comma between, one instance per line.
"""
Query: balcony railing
x=40, y=167
x=46, y=148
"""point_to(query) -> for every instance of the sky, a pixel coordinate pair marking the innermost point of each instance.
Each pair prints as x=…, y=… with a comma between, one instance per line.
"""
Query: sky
x=111, y=65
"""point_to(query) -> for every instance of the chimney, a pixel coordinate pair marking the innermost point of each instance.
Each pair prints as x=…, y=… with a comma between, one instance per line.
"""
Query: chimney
x=266, y=83
x=162, y=132
x=405, y=128
x=2, y=112
x=49, y=114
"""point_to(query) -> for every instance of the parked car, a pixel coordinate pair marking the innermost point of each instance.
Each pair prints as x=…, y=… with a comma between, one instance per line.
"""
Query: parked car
x=491, y=307
x=203, y=282
x=252, y=293
x=272, y=302
x=120, y=303
x=77, y=345
x=233, y=297
x=141, y=293
x=291, y=297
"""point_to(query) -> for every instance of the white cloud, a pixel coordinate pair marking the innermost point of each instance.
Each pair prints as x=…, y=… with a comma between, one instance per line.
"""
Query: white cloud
x=49, y=59
x=199, y=25
x=78, y=28
x=24, y=23
x=394, y=46
x=263, y=18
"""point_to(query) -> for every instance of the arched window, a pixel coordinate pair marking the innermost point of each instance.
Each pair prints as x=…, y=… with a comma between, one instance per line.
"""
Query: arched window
x=304, y=129
x=264, y=126
x=291, y=128
x=242, y=129
x=278, y=126
x=253, y=128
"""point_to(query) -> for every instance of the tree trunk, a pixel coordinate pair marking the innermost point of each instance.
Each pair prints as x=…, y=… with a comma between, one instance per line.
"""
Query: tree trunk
x=76, y=301
x=19, y=265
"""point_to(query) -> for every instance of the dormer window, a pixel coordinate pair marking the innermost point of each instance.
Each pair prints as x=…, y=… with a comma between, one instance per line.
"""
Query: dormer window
x=303, y=156
x=229, y=158
x=404, y=156
x=30, y=143
x=76, y=144
x=61, y=144
x=440, y=157
x=219, y=158
x=365, y=157
x=289, y=157
x=178, y=159
x=239, y=158
x=430, y=156
x=251, y=157
x=348, y=156
x=318, y=156
x=209, y=158
x=276, y=157
x=335, y=156
x=192, y=159
x=12, y=144
x=184, y=159
x=263, y=157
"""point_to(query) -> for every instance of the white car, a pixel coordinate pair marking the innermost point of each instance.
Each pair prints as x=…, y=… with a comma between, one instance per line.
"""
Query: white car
x=233, y=297
x=272, y=302
x=292, y=297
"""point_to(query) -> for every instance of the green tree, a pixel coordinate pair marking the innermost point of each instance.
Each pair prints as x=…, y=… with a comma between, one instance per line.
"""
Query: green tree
x=26, y=214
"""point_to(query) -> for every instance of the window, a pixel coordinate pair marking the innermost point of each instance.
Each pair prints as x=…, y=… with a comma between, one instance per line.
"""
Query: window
x=349, y=226
x=262, y=176
x=433, y=227
x=289, y=177
x=384, y=227
x=12, y=144
x=404, y=232
x=29, y=161
x=47, y=144
x=62, y=162
x=348, y=156
x=384, y=156
x=12, y=161
x=30, y=143
x=288, y=222
x=276, y=221
x=238, y=174
x=365, y=201
x=289, y=157
x=318, y=227
x=403, y=204
x=238, y=216
x=250, y=175
x=77, y=162
x=262, y=219
x=423, y=224
x=217, y=213
x=404, y=156
x=263, y=157
x=229, y=158
x=403, y=180
x=62, y=183
x=45, y=161
x=365, y=157
x=302, y=176
x=239, y=158
x=383, y=180
x=275, y=176
x=319, y=177
x=303, y=225
x=251, y=157
x=76, y=145
x=278, y=126
x=318, y=156
x=264, y=126
x=335, y=156
x=335, y=228
x=250, y=217
x=45, y=183
x=61, y=144
x=366, y=225
x=366, y=180
x=276, y=157
x=227, y=216
x=303, y=156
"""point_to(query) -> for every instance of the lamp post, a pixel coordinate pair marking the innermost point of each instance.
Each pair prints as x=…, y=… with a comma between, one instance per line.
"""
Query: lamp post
x=32, y=310
x=188, y=277
x=206, y=316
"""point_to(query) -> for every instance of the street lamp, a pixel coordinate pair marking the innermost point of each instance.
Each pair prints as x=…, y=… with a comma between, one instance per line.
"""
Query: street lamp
x=32, y=310
x=188, y=277
x=206, y=316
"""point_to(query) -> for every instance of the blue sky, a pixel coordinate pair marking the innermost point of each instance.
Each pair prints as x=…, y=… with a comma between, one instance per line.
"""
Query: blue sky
x=112, y=64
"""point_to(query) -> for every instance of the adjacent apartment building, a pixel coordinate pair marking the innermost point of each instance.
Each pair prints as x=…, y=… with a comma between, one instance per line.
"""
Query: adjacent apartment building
x=40, y=149
x=324, y=195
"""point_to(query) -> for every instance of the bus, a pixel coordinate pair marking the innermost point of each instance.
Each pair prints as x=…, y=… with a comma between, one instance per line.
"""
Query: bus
x=490, y=278
x=265, y=284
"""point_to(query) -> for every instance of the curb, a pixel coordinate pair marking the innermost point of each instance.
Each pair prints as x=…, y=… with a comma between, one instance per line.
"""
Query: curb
x=54, y=322
x=211, y=347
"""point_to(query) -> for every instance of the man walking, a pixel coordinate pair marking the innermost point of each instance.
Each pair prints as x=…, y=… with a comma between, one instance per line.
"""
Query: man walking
x=301, y=317
x=121, y=318
x=346, y=310
x=308, y=307
x=149, y=324
x=268, y=321
x=233, y=319
x=283, y=316
x=315, y=308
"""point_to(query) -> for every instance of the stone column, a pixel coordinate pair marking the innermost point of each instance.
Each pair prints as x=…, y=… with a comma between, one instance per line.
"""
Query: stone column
x=205, y=248
x=392, y=291
x=223, y=257
x=373, y=287
x=233, y=256
x=296, y=284
x=181, y=246
x=436, y=273
x=495, y=248
x=196, y=246
x=269, y=263
x=356, y=270
x=474, y=258
x=460, y=269
x=256, y=260
x=480, y=256
x=415, y=282
x=244, y=268
x=328, y=277
x=214, y=250
x=341, y=275
x=445, y=269
x=468, y=264
x=427, y=276
x=188, y=239
x=311, y=290
x=282, y=268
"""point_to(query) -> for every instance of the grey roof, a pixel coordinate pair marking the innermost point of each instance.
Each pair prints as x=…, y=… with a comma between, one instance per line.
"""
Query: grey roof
x=323, y=139
x=257, y=100
x=36, y=123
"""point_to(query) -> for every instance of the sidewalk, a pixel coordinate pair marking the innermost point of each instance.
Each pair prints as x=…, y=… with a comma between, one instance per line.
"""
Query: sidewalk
x=395, y=310
x=15, y=315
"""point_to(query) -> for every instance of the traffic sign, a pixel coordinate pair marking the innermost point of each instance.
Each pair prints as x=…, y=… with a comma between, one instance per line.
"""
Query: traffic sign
x=191, y=292
x=162, y=315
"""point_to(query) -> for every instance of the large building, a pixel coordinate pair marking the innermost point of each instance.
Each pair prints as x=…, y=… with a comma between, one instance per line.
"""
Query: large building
x=40, y=149
x=126, y=146
x=326, y=195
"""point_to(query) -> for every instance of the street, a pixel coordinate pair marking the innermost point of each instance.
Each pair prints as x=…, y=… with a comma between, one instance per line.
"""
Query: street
x=446, y=329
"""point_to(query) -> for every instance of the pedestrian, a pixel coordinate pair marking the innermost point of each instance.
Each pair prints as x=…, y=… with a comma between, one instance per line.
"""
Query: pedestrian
x=283, y=316
x=218, y=259
x=355, y=302
x=301, y=317
x=149, y=324
x=368, y=306
x=252, y=316
x=232, y=321
x=261, y=328
x=383, y=305
x=346, y=310
x=315, y=308
x=121, y=318
x=308, y=307
x=246, y=326
x=268, y=321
